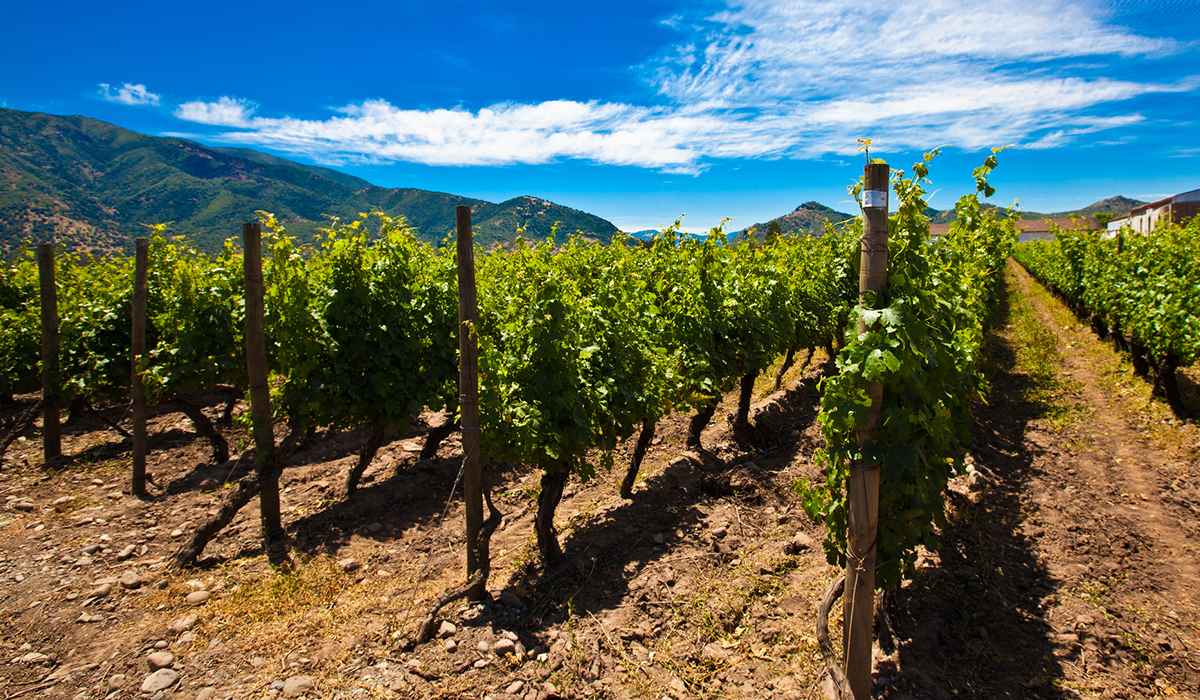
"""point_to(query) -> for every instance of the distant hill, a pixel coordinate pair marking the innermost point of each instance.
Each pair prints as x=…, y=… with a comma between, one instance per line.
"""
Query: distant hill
x=90, y=185
x=1117, y=206
x=808, y=218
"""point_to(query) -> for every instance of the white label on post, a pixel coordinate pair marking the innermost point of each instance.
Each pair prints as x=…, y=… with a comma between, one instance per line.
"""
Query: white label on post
x=875, y=198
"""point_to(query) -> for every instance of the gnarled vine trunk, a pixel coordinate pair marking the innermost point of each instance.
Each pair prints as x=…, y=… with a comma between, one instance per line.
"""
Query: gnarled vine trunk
x=548, y=500
x=701, y=420
x=743, y=432
x=639, y=453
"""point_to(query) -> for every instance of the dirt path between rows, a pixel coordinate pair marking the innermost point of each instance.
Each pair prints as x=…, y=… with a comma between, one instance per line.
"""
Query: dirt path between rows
x=1074, y=573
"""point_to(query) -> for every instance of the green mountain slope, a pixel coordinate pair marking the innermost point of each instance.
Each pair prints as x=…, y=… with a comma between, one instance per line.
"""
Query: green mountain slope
x=808, y=218
x=89, y=185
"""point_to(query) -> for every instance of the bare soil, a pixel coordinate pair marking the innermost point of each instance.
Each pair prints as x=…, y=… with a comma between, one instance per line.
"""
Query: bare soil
x=1067, y=568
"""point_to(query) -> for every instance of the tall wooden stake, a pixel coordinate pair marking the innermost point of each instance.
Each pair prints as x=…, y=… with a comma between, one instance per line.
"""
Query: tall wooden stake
x=863, y=485
x=137, y=389
x=266, y=461
x=51, y=436
x=468, y=393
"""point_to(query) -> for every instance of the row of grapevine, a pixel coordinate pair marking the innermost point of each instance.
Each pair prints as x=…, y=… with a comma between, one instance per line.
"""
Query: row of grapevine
x=922, y=342
x=579, y=347
x=1144, y=286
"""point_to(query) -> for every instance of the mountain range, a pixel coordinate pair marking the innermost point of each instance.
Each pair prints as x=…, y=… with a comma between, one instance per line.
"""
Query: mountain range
x=90, y=185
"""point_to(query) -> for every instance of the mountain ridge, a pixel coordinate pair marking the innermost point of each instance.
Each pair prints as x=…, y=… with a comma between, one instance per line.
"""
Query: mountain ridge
x=90, y=184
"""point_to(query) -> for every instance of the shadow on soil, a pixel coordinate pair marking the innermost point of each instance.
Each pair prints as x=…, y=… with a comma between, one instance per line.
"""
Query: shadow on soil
x=975, y=624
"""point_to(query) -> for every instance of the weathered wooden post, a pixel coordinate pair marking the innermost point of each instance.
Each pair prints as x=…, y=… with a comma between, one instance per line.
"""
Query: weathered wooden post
x=863, y=484
x=137, y=349
x=266, y=461
x=51, y=435
x=468, y=394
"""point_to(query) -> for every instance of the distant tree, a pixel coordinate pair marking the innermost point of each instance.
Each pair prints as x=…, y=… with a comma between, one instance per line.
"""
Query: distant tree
x=773, y=229
x=1104, y=217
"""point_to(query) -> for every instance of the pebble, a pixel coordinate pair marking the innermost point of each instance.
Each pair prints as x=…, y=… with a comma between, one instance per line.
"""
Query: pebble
x=197, y=598
x=160, y=680
x=482, y=663
x=446, y=629
x=182, y=624
x=126, y=552
x=297, y=685
x=348, y=565
x=176, y=534
x=483, y=647
x=503, y=647
x=63, y=500
x=375, y=527
x=209, y=484
x=720, y=531
x=34, y=657
x=101, y=591
x=22, y=504
x=206, y=693
x=659, y=539
x=800, y=543
x=515, y=688
x=91, y=549
x=130, y=580
x=509, y=635
x=161, y=644
x=511, y=600
x=160, y=659
x=451, y=646
x=83, y=561
x=116, y=680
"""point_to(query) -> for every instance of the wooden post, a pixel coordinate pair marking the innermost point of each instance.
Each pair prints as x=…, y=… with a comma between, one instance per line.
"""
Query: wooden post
x=863, y=485
x=468, y=394
x=51, y=436
x=265, y=459
x=137, y=349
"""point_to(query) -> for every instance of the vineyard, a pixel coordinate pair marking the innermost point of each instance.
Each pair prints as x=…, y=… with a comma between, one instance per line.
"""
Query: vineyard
x=673, y=433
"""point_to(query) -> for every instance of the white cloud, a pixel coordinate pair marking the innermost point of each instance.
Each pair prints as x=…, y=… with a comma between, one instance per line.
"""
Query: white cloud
x=226, y=111
x=771, y=78
x=127, y=94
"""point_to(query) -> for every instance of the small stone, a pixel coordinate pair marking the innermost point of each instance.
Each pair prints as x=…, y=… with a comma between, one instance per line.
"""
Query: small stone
x=515, y=687
x=659, y=539
x=116, y=680
x=182, y=624
x=297, y=685
x=23, y=504
x=176, y=534
x=720, y=531
x=446, y=629
x=161, y=644
x=91, y=549
x=34, y=657
x=482, y=663
x=800, y=543
x=483, y=647
x=160, y=680
x=101, y=591
x=348, y=565
x=277, y=685
x=126, y=552
x=451, y=646
x=130, y=580
x=511, y=600
x=63, y=500
x=206, y=693
x=503, y=647
x=160, y=659
x=209, y=484
x=509, y=635
x=375, y=527
x=83, y=561
x=197, y=597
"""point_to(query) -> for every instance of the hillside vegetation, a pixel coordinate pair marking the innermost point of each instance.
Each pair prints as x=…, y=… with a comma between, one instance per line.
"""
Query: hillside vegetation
x=90, y=185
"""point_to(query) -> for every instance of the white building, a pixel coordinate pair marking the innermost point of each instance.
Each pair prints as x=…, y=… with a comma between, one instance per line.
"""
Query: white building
x=1144, y=218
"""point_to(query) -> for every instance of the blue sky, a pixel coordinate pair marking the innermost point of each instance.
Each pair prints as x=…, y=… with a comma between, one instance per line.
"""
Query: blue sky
x=642, y=111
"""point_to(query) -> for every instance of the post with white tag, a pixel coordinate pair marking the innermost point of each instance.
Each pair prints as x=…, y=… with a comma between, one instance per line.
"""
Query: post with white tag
x=863, y=485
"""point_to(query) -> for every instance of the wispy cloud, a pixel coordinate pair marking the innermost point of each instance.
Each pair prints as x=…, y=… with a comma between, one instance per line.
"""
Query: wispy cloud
x=128, y=94
x=769, y=79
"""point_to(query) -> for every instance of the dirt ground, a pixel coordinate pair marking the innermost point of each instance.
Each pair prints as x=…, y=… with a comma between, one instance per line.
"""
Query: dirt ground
x=1067, y=568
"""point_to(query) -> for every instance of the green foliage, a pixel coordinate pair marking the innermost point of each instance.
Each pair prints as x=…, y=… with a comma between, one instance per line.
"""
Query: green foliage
x=20, y=326
x=922, y=338
x=364, y=328
x=1150, y=288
